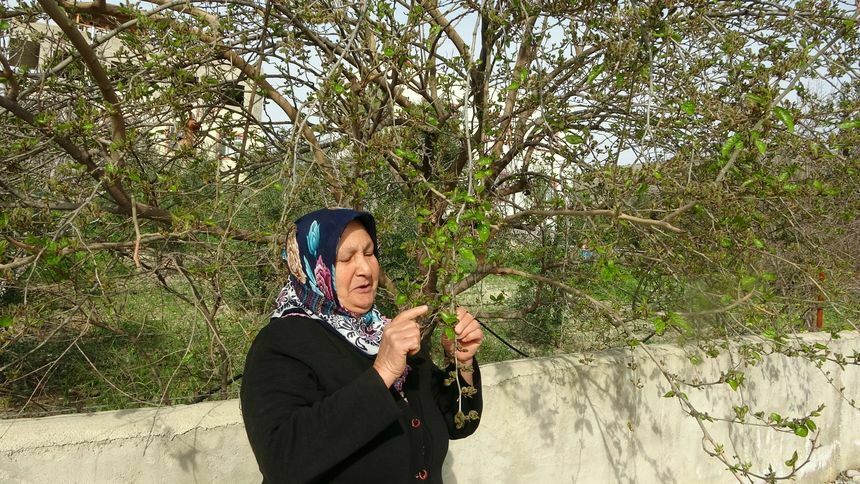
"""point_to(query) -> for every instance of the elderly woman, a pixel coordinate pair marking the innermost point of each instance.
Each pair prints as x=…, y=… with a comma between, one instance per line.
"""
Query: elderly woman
x=333, y=391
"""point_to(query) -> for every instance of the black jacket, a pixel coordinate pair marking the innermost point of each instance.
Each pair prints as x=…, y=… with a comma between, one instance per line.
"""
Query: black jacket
x=315, y=410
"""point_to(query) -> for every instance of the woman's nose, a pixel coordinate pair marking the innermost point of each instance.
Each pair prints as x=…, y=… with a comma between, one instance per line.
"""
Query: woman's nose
x=362, y=266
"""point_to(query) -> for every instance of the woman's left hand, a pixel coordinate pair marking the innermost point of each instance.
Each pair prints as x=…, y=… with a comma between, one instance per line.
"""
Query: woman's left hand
x=469, y=336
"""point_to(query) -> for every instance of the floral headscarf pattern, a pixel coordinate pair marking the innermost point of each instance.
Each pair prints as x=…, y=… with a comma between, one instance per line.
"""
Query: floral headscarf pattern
x=311, y=252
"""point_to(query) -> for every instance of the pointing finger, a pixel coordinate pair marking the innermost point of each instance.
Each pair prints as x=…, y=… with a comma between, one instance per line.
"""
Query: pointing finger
x=414, y=312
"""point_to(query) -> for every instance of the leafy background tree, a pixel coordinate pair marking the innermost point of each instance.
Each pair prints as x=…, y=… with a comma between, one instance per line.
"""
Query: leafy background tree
x=584, y=175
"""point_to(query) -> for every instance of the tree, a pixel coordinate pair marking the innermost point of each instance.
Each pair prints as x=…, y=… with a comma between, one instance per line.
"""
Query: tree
x=674, y=168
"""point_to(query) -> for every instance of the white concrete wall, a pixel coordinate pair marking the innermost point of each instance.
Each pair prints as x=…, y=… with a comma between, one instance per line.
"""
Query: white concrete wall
x=577, y=418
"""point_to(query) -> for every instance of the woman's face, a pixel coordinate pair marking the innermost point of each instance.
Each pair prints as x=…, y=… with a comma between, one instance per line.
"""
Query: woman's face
x=356, y=269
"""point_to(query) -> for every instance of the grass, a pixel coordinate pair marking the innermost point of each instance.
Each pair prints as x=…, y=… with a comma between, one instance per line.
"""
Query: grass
x=142, y=346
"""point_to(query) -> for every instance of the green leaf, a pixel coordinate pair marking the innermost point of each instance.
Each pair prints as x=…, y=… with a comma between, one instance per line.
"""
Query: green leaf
x=5, y=321
x=811, y=425
x=608, y=271
x=786, y=117
x=791, y=462
x=761, y=145
x=595, y=71
x=669, y=394
x=574, y=139
x=757, y=99
x=660, y=326
x=468, y=261
x=448, y=318
x=729, y=145
x=406, y=154
x=450, y=334
x=401, y=299
x=484, y=233
x=388, y=51
x=678, y=321
x=853, y=124
x=775, y=417
x=748, y=282
x=688, y=107
x=801, y=431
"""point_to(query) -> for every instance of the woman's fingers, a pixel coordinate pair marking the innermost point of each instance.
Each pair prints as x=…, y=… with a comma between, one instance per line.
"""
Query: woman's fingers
x=400, y=337
x=413, y=339
x=465, y=327
x=411, y=314
x=473, y=334
x=469, y=335
x=403, y=331
x=406, y=334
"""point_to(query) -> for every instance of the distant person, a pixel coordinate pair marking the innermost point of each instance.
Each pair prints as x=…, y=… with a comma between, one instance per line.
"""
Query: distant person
x=188, y=137
x=585, y=253
x=333, y=391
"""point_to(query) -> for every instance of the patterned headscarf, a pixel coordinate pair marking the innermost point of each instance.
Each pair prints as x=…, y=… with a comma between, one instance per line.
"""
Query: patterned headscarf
x=311, y=253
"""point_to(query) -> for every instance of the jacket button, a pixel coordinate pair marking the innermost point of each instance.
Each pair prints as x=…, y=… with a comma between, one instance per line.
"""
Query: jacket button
x=416, y=423
x=422, y=475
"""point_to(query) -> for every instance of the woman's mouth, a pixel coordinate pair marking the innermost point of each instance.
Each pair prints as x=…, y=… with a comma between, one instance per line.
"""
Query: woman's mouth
x=364, y=288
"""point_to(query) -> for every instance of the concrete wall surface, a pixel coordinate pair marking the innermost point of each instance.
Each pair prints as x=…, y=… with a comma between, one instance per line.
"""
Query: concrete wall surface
x=586, y=418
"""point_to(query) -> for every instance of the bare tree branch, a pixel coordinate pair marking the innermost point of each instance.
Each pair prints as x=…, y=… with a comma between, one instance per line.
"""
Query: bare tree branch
x=88, y=55
x=591, y=213
x=114, y=188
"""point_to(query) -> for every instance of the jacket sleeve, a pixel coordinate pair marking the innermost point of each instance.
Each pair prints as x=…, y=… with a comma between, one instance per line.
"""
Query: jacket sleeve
x=296, y=432
x=447, y=397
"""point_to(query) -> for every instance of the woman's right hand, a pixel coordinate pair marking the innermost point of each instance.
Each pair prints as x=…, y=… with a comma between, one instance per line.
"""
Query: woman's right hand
x=400, y=337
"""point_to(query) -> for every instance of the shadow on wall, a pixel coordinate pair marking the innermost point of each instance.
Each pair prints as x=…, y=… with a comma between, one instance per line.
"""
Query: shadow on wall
x=606, y=419
x=193, y=446
x=607, y=416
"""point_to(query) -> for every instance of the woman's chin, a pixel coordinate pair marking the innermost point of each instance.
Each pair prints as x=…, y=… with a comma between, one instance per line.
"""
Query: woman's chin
x=359, y=306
